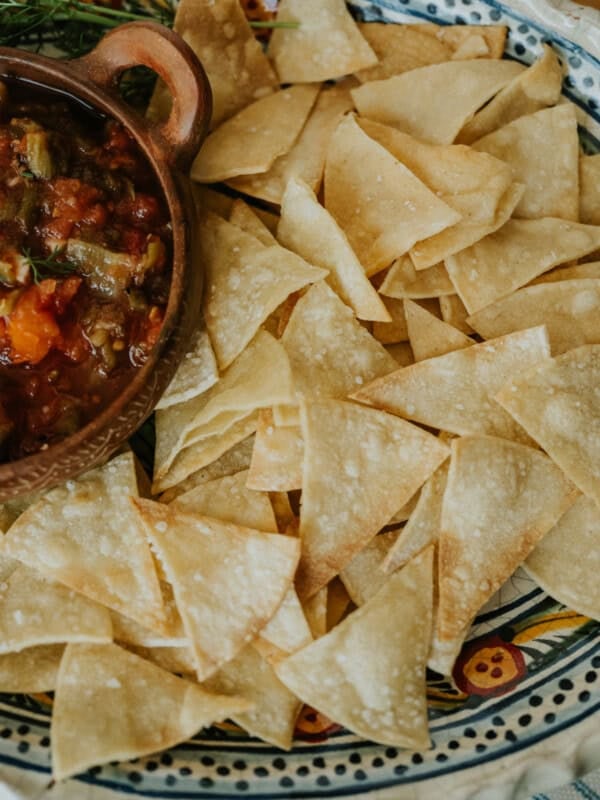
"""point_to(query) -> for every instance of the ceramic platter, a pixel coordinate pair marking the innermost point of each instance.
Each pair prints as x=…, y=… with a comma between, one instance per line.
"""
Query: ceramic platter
x=536, y=694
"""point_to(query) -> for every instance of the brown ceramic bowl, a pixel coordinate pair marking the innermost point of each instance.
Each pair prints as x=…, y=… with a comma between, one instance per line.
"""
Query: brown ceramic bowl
x=169, y=149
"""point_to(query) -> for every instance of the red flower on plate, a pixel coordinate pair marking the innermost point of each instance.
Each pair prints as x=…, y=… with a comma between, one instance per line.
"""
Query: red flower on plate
x=489, y=666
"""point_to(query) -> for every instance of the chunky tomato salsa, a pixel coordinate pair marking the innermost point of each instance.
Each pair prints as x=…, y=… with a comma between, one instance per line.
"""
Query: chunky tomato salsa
x=85, y=266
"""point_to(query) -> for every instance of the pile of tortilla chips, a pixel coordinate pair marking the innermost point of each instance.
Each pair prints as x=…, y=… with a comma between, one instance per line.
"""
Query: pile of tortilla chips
x=392, y=397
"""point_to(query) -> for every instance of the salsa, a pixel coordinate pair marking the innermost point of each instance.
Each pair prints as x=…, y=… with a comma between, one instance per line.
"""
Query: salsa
x=85, y=266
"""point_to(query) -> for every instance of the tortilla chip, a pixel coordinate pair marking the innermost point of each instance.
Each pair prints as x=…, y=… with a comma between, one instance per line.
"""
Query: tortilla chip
x=274, y=707
x=228, y=581
x=529, y=144
x=455, y=36
x=208, y=199
x=250, y=141
x=514, y=255
x=384, y=461
x=245, y=282
x=85, y=534
x=401, y=353
x=567, y=560
x=454, y=313
x=574, y=272
x=306, y=228
x=395, y=331
x=404, y=513
x=455, y=392
x=501, y=498
x=474, y=184
x=128, y=632
x=338, y=603
x=196, y=373
x=193, y=459
x=238, y=71
x=536, y=88
x=382, y=207
x=569, y=309
x=288, y=629
x=368, y=673
x=234, y=460
x=363, y=577
x=179, y=660
x=403, y=280
x=111, y=705
x=36, y=611
x=326, y=44
x=32, y=670
x=315, y=611
x=589, y=177
x=430, y=337
x=558, y=405
x=306, y=160
x=245, y=218
x=277, y=456
x=474, y=46
x=419, y=103
x=229, y=500
x=423, y=527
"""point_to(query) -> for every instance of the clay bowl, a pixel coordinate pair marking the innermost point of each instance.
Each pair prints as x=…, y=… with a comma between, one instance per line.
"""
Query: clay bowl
x=169, y=149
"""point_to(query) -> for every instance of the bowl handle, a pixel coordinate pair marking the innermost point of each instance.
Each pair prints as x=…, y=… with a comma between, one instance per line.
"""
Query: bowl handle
x=157, y=47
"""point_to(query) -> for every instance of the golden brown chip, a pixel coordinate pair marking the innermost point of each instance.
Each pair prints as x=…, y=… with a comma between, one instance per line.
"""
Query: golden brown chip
x=246, y=218
x=209, y=199
x=339, y=603
x=250, y=141
x=382, y=207
x=178, y=660
x=529, y=145
x=454, y=313
x=245, y=282
x=429, y=336
x=129, y=633
x=455, y=36
x=282, y=508
x=455, y=392
x=514, y=255
x=309, y=230
x=111, y=705
x=537, y=87
x=501, y=498
x=326, y=44
x=395, y=331
x=402, y=353
x=403, y=280
x=360, y=466
x=558, y=405
x=288, y=630
x=315, y=611
x=368, y=673
x=363, y=576
x=238, y=71
x=32, y=670
x=419, y=102
x=574, y=272
x=589, y=176
x=228, y=581
x=277, y=456
x=196, y=373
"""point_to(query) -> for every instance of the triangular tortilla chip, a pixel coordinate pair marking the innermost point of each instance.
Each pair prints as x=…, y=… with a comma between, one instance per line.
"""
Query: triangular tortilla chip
x=111, y=705
x=306, y=160
x=383, y=460
x=514, y=255
x=326, y=44
x=36, y=611
x=567, y=560
x=32, y=670
x=403, y=280
x=245, y=282
x=196, y=372
x=501, y=498
x=277, y=456
x=228, y=581
x=395, y=331
x=529, y=145
x=382, y=207
x=589, y=177
x=574, y=272
x=288, y=630
x=473, y=184
x=258, y=378
x=558, y=405
x=404, y=513
x=536, y=88
x=330, y=352
x=455, y=36
x=430, y=337
x=454, y=313
x=282, y=508
x=401, y=353
x=178, y=660
x=368, y=673
x=455, y=392
x=250, y=141
x=228, y=499
x=85, y=534
x=237, y=68
x=231, y=461
x=128, y=632
x=309, y=230
x=245, y=218
x=568, y=309
x=363, y=576
x=423, y=527
x=339, y=603
x=194, y=458
x=275, y=707
x=418, y=102
x=315, y=611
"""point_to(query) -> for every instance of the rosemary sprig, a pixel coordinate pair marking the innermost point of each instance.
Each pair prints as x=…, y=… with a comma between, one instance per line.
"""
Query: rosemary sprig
x=50, y=266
